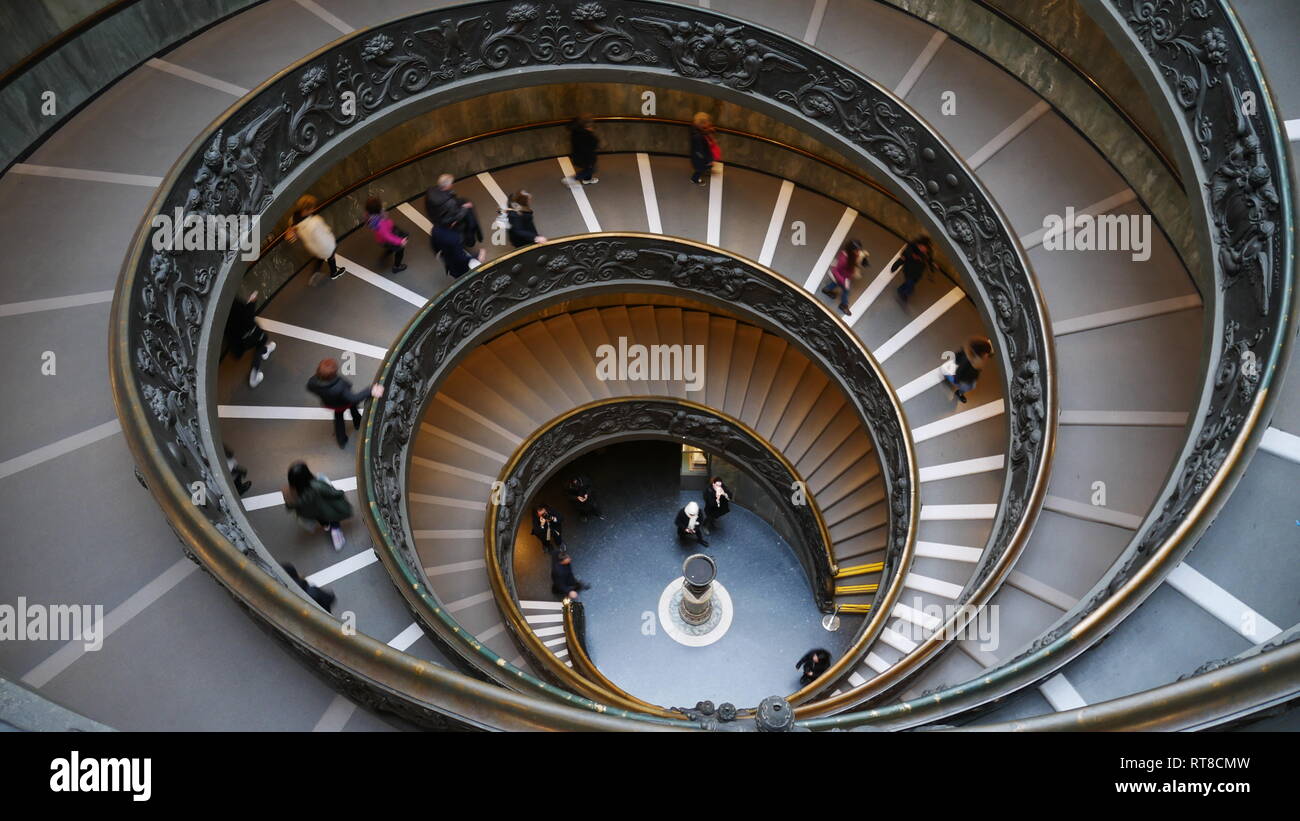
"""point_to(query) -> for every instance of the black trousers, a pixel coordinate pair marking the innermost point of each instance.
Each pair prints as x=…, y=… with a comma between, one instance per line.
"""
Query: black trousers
x=340, y=432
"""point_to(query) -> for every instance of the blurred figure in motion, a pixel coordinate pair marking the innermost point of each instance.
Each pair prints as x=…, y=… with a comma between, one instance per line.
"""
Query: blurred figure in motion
x=813, y=664
x=704, y=147
x=583, y=145
x=917, y=256
x=245, y=334
x=844, y=270
x=563, y=583
x=967, y=364
x=320, y=595
x=237, y=472
x=314, y=500
x=386, y=232
x=336, y=393
x=521, y=229
x=316, y=237
x=455, y=227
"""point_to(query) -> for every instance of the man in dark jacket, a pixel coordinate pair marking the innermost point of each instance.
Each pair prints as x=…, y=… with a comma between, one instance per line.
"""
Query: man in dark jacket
x=582, y=497
x=336, y=393
x=455, y=226
x=583, y=144
x=547, y=527
x=717, y=500
x=814, y=663
x=914, y=259
x=563, y=583
x=245, y=334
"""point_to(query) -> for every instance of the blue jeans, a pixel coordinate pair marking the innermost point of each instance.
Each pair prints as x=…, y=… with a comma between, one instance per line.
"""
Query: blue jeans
x=964, y=387
x=829, y=290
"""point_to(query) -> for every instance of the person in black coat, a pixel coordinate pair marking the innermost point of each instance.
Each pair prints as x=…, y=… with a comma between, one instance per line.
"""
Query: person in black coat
x=320, y=595
x=916, y=256
x=690, y=523
x=582, y=497
x=455, y=227
x=717, y=500
x=548, y=528
x=522, y=230
x=563, y=583
x=583, y=144
x=245, y=334
x=336, y=393
x=814, y=663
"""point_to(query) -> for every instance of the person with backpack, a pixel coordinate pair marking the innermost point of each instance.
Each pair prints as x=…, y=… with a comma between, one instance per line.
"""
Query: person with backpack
x=387, y=234
x=336, y=393
x=583, y=145
x=312, y=498
x=847, y=267
x=455, y=227
x=967, y=364
x=915, y=257
x=245, y=334
x=521, y=230
x=704, y=147
x=316, y=237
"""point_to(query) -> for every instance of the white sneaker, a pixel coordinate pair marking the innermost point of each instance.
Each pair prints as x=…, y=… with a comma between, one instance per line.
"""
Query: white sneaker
x=336, y=536
x=569, y=181
x=270, y=349
x=255, y=379
x=591, y=181
x=473, y=263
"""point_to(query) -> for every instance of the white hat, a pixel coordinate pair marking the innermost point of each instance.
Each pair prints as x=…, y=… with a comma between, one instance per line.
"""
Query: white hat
x=692, y=509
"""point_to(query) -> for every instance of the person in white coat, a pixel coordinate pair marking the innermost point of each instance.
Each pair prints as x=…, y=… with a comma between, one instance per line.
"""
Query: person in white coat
x=316, y=237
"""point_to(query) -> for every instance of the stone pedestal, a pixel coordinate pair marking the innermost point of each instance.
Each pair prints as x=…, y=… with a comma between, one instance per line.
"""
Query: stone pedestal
x=698, y=572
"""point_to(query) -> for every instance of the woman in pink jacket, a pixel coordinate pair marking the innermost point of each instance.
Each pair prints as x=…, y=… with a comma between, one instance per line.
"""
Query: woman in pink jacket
x=386, y=232
x=844, y=270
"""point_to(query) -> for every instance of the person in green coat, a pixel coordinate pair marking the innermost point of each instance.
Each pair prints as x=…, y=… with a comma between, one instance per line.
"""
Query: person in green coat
x=313, y=499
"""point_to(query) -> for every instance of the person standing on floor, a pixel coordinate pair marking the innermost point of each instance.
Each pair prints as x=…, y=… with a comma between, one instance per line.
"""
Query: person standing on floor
x=814, y=663
x=316, y=237
x=454, y=224
x=245, y=334
x=583, y=145
x=704, y=147
x=313, y=499
x=968, y=363
x=717, y=500
x=521, y=229
x=846, y=267
x=336, y=393
x=237, y=472
x=582, y=497
x=548, y=528
x=563, y=583
x=690, y=523
x=916, y=257
x=320, y=595
x=386, y=232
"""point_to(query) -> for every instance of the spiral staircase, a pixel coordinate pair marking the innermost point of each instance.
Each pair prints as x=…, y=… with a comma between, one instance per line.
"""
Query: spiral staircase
x=1128, y=354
